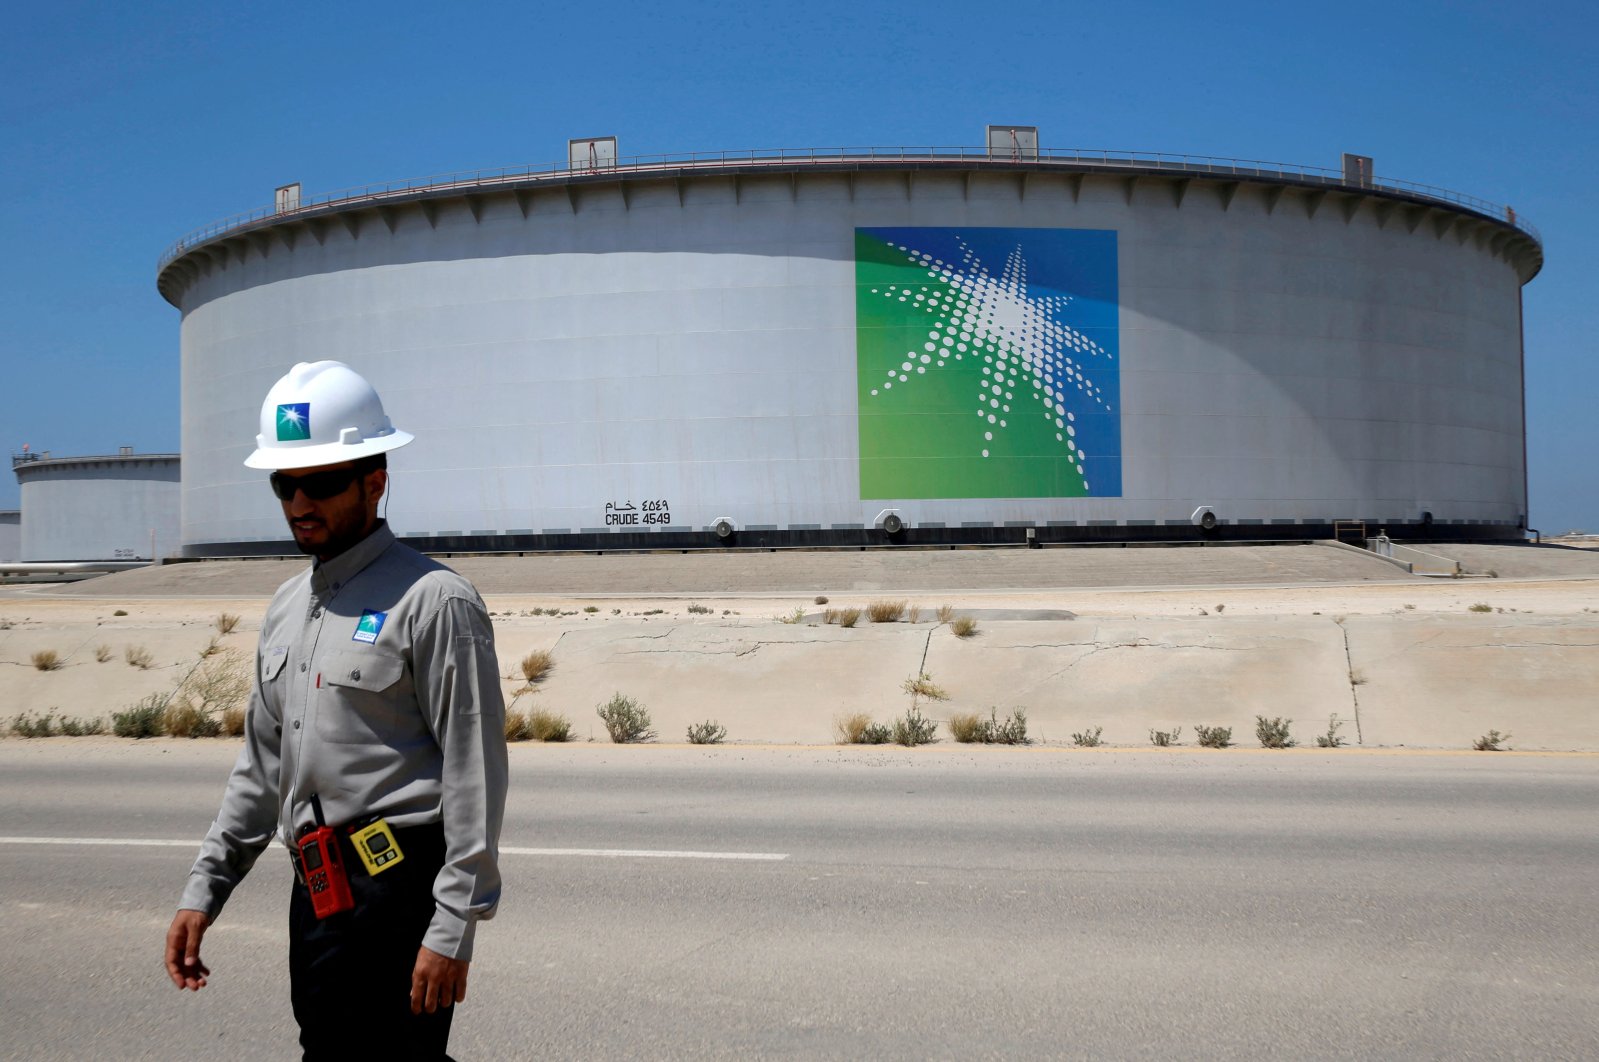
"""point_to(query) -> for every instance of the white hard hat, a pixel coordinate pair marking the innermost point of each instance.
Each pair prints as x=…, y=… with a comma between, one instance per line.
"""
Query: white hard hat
x=322, y=413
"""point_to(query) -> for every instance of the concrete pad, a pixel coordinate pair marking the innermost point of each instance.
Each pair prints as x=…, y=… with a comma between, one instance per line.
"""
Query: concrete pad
x=804, y=572
x=1443, y=682
x=1520, y=560
x=1130, y=677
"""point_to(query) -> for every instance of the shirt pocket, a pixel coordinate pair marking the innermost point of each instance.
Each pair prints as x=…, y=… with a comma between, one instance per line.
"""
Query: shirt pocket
x=272, y=665
x=359, y=697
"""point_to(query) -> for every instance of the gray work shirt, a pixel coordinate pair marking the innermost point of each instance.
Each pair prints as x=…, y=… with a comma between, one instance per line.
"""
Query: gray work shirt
x=377, y=689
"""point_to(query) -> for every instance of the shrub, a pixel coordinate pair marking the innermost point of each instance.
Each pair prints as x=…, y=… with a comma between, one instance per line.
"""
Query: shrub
x=1273, y=733
x=47, y=660
x=1013, y=731
x=885, y=611
x=1219, y=609
x=226, y=622
x=876, y=734
x=25, y=725
x=821, y=599
x=625, y=720
x=792, y=618
x=1331, y=740
x=973, y=728
x=545, y=725
x=915, y=729
x=1088, y=739
x=914, y=614
x=220, y=683
x=74, y=727
x=212, y=647
x=849, y=728
x=699, y=610
x=138, y=656
x=142, y=720
x=1480, y=607
x=102, y=653
x=849, y=617
x=1213, y=737
x=120, y=612
x=596, y=608
x=516, y=726
x=1163, y=738
x=709, y=732
x=963, y=626
x=184, y=719
x=536, y=665
x=924, y=686
x=966, y=727
x=946, y=613
x=1490, y=742
x=830, y=615
x=233, y=720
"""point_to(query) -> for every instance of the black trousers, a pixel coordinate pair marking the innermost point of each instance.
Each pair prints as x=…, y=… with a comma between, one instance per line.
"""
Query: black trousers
x=350, y=973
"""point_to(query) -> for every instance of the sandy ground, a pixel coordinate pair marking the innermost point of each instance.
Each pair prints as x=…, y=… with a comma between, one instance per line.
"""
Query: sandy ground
x=1401, y=661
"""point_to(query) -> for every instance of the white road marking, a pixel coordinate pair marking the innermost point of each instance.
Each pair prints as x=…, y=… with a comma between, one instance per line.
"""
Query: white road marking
x=645, y=853
x=603, y=853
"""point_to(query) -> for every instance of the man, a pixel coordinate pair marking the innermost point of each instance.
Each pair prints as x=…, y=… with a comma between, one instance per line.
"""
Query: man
x=376, y=709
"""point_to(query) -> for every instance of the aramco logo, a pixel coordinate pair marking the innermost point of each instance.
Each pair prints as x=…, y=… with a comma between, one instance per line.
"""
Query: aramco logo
x=988, y=363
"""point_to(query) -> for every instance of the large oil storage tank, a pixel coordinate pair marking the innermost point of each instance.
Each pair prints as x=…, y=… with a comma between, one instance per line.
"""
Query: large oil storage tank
x=879, y=346
x=109, y=507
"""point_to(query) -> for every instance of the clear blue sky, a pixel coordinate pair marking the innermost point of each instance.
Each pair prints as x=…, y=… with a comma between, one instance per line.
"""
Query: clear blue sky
x=123, y=126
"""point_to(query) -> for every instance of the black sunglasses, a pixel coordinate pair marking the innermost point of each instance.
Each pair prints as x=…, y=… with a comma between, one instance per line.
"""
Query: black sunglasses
x=318, y=486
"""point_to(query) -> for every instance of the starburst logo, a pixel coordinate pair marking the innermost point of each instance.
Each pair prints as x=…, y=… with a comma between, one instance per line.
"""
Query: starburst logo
x=987, y=383
x=294, y=421
x=370, y=625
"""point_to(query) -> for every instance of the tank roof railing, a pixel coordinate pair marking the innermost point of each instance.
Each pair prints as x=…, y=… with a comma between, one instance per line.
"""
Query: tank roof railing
x=44, y=457
x=645, y=165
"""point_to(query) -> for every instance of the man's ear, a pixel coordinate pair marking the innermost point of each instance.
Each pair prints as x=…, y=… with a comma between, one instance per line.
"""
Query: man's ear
x=377, y=482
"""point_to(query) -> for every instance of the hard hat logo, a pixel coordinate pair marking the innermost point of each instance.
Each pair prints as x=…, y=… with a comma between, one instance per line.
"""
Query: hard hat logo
x=294, y=421
x=350, y=422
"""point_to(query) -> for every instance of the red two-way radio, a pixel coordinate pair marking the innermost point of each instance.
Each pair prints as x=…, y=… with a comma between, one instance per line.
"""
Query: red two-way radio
x=322, y=867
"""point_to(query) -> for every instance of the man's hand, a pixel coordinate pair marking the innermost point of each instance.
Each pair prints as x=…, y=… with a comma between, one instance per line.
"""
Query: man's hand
x=183, y=950
x=437, y=981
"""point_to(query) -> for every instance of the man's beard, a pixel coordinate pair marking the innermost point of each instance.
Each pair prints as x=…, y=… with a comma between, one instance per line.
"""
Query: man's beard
x=341, y=535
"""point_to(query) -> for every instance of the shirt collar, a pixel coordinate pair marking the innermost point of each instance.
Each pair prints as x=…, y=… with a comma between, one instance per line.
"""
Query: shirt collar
x=341, y=569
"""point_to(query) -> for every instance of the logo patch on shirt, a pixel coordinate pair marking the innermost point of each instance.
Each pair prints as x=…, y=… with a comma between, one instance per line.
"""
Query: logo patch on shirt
x=371, y=623
x=294, y=421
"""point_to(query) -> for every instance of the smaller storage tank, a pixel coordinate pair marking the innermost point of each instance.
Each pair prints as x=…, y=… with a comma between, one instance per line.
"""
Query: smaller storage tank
x=10, y=536
x=120, y=506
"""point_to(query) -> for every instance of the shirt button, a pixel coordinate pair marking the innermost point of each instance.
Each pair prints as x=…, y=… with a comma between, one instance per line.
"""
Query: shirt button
x=355, y=676
x=296, y=724
x=302, y=667
x=316, y=613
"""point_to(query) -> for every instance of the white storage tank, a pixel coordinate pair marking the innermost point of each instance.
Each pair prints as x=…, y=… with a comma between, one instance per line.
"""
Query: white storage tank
x=112, y=507
x=887, y=346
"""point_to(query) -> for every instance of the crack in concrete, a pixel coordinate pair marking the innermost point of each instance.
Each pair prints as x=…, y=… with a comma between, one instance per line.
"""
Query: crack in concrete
x=748, y=649
x=1354, y=692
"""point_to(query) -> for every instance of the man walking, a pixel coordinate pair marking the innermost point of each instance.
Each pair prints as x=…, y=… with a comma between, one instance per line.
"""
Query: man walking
x=374, y=747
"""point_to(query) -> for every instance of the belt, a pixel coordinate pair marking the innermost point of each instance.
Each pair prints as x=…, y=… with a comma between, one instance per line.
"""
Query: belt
x=410, y=839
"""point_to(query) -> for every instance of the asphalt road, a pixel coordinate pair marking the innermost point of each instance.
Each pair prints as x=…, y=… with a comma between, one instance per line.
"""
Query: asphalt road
x=948, y=903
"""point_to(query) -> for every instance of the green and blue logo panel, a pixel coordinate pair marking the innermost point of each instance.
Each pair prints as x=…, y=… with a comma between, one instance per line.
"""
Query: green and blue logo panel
x=988, y=363
x=294, y=421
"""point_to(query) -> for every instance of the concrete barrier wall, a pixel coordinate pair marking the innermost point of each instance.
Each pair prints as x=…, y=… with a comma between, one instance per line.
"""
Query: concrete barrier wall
x=1427, y=680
